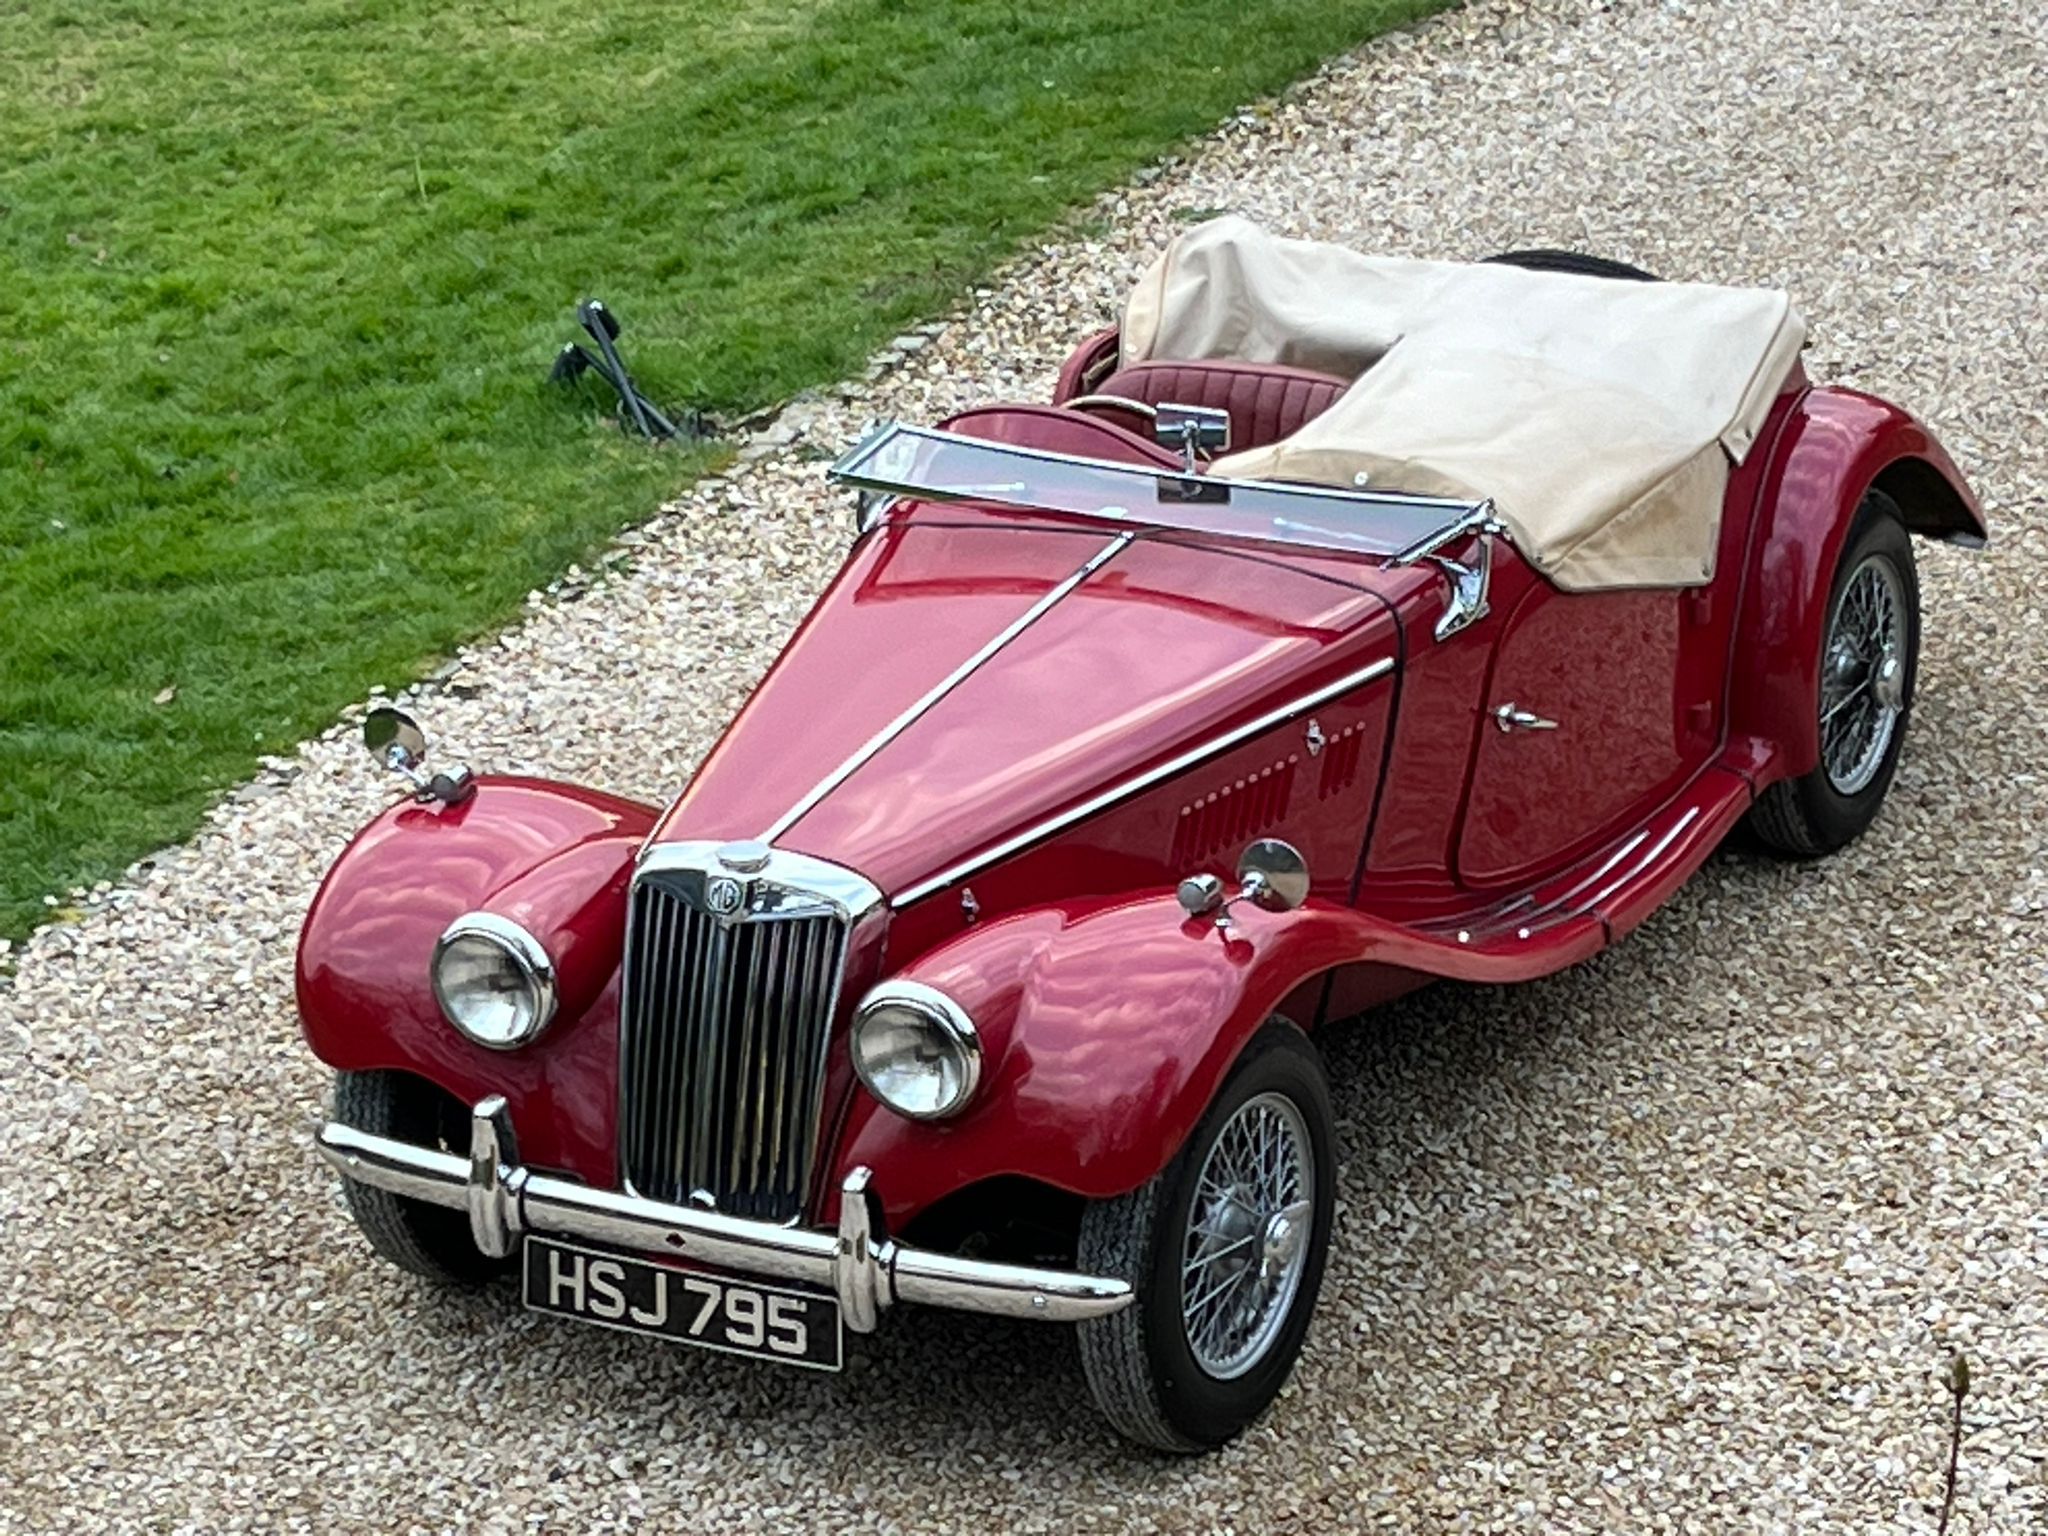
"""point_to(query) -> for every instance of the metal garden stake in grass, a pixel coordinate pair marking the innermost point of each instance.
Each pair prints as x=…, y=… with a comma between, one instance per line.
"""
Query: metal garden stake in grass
x=572, y=362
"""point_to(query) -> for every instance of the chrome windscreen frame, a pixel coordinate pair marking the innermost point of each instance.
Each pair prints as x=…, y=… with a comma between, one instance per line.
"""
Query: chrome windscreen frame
x=900, y=460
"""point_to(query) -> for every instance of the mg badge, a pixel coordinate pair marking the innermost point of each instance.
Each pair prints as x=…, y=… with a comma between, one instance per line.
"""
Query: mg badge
x=724, y=895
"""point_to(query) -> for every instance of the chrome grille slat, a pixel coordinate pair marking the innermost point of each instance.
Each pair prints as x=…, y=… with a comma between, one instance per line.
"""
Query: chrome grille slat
x=774, y=997
x=783, y=1043
x=654, y=936
x=725, y=1157
x=805, y=1047
x=724, y=1023
x=709, y=1024
x=666, y=1069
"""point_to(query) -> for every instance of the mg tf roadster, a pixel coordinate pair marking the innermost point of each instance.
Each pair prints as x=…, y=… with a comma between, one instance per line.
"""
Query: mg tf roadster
x=1341, y=623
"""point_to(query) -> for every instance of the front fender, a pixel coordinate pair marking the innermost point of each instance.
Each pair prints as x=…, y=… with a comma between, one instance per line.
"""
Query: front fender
x=1837, y=445
x=1106, y=1030
x=552, y=857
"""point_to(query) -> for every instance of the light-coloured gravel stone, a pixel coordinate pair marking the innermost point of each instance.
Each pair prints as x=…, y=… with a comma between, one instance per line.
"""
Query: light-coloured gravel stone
x=1679, y=1241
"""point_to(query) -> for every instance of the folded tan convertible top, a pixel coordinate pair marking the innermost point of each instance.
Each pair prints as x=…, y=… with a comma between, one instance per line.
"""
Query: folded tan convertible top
x=1600, y=416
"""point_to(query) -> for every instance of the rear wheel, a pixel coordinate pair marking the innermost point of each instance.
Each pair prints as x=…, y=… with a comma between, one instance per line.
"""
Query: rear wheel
x=1225, y=1250
x=427, y=1240
x=1870, y=656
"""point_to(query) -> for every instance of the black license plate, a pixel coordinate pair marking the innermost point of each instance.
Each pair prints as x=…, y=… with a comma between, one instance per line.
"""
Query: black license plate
x=688, y=1306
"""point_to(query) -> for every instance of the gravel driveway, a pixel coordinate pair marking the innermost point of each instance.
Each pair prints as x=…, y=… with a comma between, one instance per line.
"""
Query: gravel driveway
x=1679, y=1241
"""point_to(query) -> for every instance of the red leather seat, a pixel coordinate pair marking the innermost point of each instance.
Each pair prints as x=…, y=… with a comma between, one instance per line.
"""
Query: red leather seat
x=1089, y=364
x=1266, y=401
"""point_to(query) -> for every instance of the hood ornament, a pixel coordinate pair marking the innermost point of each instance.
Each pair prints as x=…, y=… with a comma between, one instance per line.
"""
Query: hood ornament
x=745, y=858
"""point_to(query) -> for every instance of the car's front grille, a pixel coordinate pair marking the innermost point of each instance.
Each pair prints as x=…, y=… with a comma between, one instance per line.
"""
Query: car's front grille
x=723, y=1024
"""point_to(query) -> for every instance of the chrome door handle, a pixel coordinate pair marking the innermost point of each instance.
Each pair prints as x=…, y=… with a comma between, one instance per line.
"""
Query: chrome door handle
x=1511, y=718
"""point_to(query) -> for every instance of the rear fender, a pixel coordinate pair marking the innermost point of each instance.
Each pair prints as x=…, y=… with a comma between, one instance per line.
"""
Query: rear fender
x=1106, y=1031
x=1837, y=446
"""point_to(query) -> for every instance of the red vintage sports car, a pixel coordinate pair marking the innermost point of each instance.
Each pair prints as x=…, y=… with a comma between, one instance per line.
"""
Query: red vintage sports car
x=1342, y=623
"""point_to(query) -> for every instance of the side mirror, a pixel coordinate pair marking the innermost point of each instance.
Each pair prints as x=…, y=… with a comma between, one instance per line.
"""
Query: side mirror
x=396, y=741
x=1193, y=429
x=1274, y=875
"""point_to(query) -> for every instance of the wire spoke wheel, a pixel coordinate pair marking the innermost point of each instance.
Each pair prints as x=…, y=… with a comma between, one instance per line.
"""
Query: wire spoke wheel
x=1863, y=675
x=1224, y=1250
x=1247, y=1236
x=1865, y=663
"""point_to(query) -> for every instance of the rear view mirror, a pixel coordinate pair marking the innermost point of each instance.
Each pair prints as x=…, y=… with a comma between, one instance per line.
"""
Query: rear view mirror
x=1193, y=429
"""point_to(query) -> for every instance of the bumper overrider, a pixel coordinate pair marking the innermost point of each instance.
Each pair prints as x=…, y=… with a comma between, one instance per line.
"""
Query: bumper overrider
x=857, y=1263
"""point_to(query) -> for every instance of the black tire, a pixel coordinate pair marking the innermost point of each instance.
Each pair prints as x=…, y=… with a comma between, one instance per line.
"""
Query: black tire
x=1574, y=263
x=1809, y=816
x=1139, y=1362
x=427, y=1240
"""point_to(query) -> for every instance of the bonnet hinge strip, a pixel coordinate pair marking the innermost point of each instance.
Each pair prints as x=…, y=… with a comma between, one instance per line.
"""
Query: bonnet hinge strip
x=869, y=749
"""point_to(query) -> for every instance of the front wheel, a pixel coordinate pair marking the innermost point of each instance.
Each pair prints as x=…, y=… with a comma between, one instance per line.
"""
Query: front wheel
x=1869, y=658
x=1225, y=1251
x=427, y=1240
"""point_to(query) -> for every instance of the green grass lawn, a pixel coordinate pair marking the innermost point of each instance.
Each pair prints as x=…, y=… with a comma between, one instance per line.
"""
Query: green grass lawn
x=279, y=281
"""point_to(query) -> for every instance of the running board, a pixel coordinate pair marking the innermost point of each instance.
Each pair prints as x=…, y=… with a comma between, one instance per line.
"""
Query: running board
x=1600, y=898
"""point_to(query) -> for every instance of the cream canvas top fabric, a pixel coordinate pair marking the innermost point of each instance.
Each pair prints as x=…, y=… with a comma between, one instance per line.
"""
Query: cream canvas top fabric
x=1600, y=416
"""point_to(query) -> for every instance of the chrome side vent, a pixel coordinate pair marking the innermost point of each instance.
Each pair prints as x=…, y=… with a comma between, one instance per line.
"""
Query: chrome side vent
x=730, y=988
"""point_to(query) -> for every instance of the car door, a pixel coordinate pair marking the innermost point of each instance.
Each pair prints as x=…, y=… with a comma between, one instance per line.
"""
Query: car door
x=1594, y=714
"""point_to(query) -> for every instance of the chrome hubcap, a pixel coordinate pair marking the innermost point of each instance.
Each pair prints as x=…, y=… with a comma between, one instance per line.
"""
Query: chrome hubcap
x=1863, y=676
x=1248, y=1236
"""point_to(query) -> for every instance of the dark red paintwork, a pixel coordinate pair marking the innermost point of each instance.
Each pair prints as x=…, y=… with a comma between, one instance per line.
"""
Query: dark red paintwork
x=1837, y=444
x=1107, y=1019
x=553, y=857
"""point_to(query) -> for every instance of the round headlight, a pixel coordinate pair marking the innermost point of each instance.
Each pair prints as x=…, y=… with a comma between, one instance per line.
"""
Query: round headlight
x=494, y=981
x=916, y=1050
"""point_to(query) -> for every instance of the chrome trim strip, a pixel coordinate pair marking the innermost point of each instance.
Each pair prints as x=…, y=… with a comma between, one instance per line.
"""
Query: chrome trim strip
x=867, y=751
x=1039, y=831
x=858, y=1262
x=834, y=885
x=1656, y=852
x=1507, y=916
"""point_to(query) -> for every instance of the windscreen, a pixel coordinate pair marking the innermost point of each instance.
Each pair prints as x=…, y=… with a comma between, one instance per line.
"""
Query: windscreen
x=928, y=465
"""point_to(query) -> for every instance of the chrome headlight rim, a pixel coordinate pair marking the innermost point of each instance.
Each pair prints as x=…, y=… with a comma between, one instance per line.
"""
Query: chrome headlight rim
x=527, y=954
x=946, y=1017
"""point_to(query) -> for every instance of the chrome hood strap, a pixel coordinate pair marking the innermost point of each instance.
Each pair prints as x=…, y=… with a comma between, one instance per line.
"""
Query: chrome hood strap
x=917, y=711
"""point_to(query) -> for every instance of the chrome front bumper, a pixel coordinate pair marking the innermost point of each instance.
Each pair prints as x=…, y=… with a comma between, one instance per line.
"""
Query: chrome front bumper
x=857, y=1263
